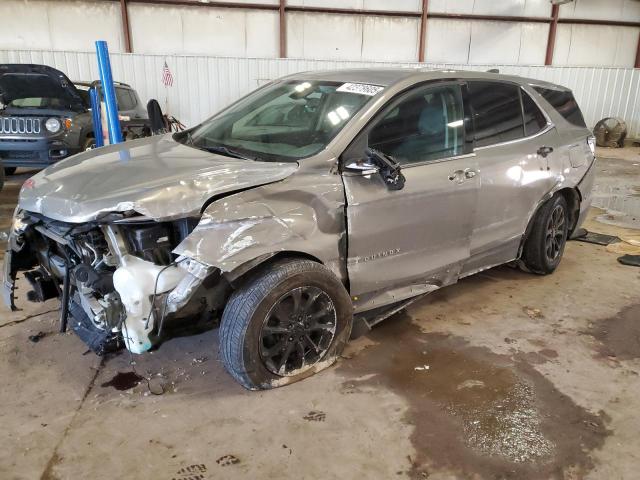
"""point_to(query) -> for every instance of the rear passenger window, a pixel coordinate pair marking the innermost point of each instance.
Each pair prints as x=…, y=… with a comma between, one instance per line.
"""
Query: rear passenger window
x=564, y=102
x=124, y=99
x=534, y=119
x=497, y=114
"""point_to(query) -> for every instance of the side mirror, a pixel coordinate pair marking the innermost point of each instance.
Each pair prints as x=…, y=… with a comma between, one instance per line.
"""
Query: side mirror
x=362, y=167
x=389, y=168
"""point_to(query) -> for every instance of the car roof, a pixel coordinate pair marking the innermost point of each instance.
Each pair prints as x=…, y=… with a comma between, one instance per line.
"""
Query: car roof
x=87, y=84
x=388, y=76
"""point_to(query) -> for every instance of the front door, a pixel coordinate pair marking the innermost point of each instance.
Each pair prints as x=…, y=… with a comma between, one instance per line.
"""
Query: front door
x=409, y=241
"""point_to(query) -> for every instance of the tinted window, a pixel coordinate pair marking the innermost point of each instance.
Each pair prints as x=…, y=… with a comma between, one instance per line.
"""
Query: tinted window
x=124, y=99
x=497, y=114
x=564, y=103
x=534, y=119
x=425, y=125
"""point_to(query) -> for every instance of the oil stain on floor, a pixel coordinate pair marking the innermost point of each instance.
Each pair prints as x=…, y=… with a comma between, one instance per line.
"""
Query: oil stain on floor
x=619, y=336
x=477, y=413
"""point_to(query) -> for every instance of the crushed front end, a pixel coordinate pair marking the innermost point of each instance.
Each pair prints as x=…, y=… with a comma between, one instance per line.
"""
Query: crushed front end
x=117, y=278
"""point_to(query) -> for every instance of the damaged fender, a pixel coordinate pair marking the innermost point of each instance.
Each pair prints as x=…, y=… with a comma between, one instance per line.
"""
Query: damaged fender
x=303, y=214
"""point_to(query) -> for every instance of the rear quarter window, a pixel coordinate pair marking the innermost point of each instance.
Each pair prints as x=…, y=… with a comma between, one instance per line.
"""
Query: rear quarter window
x=564, y=103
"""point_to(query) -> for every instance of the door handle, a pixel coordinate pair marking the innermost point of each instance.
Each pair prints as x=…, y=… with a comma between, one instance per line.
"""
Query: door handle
x=468, y=173
x=544, y=151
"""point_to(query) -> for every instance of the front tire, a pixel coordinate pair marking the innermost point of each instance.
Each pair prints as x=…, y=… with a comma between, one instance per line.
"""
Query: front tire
x=89, y=144
x=286, y=322
x=545, y=244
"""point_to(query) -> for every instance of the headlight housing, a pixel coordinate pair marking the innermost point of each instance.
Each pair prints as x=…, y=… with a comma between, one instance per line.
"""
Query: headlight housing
x=52, y=125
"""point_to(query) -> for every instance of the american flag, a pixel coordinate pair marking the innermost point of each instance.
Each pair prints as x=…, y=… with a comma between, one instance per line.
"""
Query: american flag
x=167, y=78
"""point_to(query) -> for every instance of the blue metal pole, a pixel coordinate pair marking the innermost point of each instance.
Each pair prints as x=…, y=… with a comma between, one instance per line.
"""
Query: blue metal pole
x=106, y=80
x=96, y=117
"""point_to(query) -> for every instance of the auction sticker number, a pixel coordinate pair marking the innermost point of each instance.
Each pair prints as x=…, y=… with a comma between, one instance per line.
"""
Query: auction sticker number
x=360, y=88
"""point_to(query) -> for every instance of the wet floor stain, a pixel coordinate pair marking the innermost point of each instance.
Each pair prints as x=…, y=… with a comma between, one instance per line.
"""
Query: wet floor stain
x=124, y=381
x=476, y=413
x=619, y=336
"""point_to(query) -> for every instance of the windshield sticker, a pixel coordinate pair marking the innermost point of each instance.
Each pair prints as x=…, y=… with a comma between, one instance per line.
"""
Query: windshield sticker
x=360, y=88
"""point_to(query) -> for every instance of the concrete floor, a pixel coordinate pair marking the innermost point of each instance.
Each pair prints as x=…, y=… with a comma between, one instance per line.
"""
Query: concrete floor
x=504, y=375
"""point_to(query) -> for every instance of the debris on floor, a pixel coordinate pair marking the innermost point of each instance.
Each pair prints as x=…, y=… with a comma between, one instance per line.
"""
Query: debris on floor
x=37, y=337
x=597, y=238
x=533, y=312
x=624, y=247
x=630, y=260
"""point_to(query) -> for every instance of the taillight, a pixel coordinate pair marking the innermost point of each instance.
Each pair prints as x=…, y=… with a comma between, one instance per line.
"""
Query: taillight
x=591, y=141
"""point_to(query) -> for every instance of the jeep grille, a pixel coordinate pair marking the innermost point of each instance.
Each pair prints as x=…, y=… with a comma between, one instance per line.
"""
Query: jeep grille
x=19, y=125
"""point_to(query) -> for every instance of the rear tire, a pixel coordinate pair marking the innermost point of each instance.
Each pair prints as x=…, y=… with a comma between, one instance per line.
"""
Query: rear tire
x=288, y=321
x=10, y=170
x=545, y=244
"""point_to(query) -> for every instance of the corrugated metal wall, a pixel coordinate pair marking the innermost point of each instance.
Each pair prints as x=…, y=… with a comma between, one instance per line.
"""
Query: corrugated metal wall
x=203, y=85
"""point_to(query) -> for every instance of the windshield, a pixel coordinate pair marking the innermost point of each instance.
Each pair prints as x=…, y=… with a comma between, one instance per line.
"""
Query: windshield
x=282, y=122
x=51, y=103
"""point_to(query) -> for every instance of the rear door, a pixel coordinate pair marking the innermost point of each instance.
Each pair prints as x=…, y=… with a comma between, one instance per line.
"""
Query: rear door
x=404, y=242
x=514, y=141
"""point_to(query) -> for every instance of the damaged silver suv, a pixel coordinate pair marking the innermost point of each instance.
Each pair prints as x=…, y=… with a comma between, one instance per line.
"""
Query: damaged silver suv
x=320, y=202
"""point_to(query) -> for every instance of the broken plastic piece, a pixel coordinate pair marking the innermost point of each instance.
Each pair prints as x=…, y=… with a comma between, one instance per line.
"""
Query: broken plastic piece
x=630, y=260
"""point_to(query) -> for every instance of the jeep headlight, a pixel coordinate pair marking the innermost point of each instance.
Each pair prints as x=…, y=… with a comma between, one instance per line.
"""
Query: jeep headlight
x=53, y=125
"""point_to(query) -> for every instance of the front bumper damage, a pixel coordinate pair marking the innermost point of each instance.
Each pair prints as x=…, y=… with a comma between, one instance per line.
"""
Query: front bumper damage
x=116, y=298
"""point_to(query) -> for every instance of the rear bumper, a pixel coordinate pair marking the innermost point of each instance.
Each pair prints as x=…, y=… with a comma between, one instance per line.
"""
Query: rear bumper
x=585, y=187
x=36, y=153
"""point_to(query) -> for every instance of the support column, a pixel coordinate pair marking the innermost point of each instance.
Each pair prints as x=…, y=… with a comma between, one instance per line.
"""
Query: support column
x=283, y=29
x=126, y=31
x=423, y=30
x=551, y=41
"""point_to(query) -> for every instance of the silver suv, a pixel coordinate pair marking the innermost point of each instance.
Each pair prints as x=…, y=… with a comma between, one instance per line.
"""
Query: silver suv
x=320, y=202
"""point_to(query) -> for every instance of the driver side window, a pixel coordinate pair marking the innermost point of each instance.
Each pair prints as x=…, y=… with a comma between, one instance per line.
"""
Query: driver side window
x=425, y=125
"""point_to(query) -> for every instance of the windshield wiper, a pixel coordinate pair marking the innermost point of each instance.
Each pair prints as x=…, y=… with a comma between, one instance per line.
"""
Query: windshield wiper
x=222, y=150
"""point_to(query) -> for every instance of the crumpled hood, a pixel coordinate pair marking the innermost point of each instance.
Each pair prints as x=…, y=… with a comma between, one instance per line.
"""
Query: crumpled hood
x=28, y=81
x=155, y=176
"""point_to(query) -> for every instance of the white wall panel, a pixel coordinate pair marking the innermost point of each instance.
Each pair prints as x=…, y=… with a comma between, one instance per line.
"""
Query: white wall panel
x=335, y=37
x=447, y=6
x=494, y=42
x=623, y=10
x=397, y=5
x=203, y=31
x=448, y=41
x=204, y=85
x=519, y=8
x=595, y=45
x=60, y=25
x=533, y=43
x=390, y=39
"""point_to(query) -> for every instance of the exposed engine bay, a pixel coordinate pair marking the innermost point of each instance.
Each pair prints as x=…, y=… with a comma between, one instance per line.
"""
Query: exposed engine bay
x=117, y=278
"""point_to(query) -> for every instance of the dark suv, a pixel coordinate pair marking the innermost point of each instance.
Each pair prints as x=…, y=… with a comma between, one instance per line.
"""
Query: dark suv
x=44, y=117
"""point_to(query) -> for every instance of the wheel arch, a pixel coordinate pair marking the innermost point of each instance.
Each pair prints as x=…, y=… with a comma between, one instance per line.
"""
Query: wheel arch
x=573, y=199
x=258, y=264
